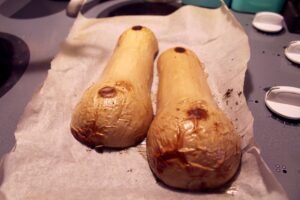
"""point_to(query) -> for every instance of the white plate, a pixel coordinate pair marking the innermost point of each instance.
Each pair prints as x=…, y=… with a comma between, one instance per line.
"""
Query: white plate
x=292, y=52
x=284, y=101
x=268, y=22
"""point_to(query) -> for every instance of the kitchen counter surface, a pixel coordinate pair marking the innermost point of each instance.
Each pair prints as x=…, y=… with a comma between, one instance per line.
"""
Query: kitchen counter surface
x=278, y=139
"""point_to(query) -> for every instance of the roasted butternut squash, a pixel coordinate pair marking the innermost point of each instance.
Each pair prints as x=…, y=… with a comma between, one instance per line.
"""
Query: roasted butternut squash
x=191, y=144
x=116, y=111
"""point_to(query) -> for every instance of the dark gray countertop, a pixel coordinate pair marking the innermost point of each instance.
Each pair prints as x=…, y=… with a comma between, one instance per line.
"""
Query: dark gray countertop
x=43, y=34
x=277, y=138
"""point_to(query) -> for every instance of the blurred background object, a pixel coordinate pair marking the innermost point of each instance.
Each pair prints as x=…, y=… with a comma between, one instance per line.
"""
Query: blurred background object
x=207, y=3
x=254, y=6
x=291, y=15
x=162, y=1
x=30, y=9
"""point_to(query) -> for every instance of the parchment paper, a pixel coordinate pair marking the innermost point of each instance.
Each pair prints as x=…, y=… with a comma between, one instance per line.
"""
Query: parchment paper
x=48, y=163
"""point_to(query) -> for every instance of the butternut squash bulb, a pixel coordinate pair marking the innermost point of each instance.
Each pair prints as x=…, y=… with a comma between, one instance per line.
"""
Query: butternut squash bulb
x=191, y=144
x=116, y=111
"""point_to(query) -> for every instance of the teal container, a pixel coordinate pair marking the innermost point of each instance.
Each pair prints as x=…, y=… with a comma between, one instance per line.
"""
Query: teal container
x=254, y=6
x=206, y=3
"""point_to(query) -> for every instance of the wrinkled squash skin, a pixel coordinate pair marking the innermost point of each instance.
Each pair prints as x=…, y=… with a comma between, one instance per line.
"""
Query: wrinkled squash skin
x=116, y=111
x=191, y=144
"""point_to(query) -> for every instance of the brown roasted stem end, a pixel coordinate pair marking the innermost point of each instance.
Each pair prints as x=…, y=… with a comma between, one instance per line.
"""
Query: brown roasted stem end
x=137, y=28
x=179, y=49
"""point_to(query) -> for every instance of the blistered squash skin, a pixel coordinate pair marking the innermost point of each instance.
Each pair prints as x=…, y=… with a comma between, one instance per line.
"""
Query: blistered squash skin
x=191, y=144
x=116, y=111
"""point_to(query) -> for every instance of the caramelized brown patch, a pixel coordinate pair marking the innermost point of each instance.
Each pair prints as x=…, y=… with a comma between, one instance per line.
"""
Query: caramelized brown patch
x=169, y=155
x=223, y=171
x=137, y=28
x=127, y=85
x=161, y=165
x=174, y=155
x=197, y=113
x=216, y=125
x=179, y=49
x=83, y=137
x=108, y=92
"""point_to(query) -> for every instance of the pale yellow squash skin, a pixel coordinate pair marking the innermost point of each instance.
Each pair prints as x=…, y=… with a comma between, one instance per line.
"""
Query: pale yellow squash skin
x=116, y=111
x=191, y=144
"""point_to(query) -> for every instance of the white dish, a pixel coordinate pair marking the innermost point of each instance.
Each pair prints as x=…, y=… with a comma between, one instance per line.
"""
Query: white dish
x=284, y=101
x=268, y=21
x=292, y=52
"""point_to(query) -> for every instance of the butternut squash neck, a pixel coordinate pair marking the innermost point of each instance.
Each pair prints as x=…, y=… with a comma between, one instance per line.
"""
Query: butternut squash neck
x=129, y=58
x=194, y=87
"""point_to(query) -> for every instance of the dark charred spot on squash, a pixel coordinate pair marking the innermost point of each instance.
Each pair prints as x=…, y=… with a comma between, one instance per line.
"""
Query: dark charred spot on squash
x=81, y=134
x=125, y=84
x=162, y=160
x=179, y=49
x=137, y=28
x=107, y=92
x=222, y=172
x=197, y=113
x=83, y=137
x=161, y=165
x=169, y=155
